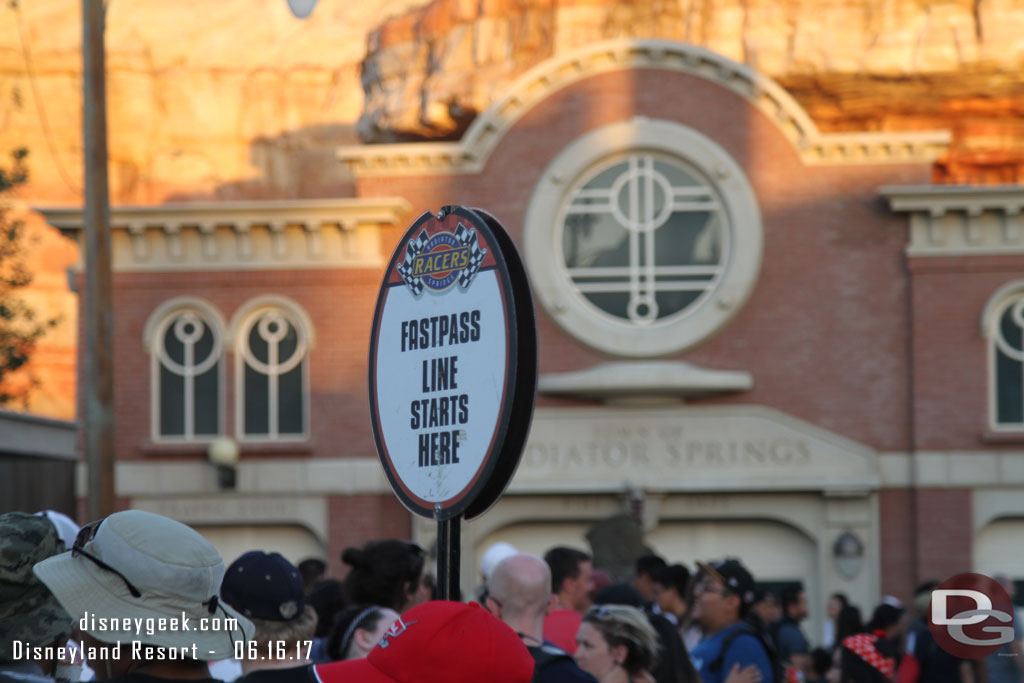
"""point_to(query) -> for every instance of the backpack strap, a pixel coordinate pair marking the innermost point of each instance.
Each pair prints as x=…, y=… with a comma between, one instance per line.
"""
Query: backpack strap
x=777, y=669
x=716, y=664
x=545, y=655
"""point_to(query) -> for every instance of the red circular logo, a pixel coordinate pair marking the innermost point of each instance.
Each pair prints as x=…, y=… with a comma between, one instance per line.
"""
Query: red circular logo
x=970, y=616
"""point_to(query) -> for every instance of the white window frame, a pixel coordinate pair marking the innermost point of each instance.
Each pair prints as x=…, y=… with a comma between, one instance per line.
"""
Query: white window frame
x=742, y=239
x=152, y=340
x=1011, y=294
x=241, y=323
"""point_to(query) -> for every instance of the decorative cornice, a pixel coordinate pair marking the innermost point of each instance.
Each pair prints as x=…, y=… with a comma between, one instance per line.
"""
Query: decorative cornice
x=471, y=153
x=959, y=220
x=294, y=234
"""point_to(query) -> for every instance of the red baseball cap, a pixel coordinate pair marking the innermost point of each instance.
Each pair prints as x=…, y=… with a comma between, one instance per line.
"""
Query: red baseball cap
x=439, y=642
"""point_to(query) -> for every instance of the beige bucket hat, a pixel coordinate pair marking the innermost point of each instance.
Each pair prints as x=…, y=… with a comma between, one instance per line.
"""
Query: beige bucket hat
x=133, y=569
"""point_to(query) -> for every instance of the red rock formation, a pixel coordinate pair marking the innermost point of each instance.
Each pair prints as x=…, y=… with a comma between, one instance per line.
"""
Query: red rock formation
x=855, y=65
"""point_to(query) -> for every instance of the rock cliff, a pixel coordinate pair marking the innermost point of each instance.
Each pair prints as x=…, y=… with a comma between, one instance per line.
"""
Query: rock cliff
x=229, y=99
x=853, y=64
x=240, y=99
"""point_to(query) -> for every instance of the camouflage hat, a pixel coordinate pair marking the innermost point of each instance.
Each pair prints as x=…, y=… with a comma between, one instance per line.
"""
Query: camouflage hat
x=28, y=610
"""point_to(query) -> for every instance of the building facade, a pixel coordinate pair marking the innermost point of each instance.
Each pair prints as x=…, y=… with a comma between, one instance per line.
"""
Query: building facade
x=761, y=339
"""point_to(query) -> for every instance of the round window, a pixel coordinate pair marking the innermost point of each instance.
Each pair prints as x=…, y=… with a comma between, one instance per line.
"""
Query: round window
x=642, y=238
x=637, y=248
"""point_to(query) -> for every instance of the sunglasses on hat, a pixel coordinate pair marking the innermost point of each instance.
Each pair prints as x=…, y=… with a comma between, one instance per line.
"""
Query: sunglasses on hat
x=85, y=535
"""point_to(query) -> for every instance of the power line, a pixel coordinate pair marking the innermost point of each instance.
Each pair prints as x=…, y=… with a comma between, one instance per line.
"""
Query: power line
x=47, y=133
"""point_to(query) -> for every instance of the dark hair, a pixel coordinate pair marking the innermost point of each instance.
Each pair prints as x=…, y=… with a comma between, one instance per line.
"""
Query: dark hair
x=848, y=623
x=673, y=576
x=311, y=569
x=648, y=564
x=841, y=597
x=618, y=594
x=564, y=564
x=346, y=623
x=789, y=596
x=383, y=572
x=884, y=616
x=327, y=598
x=821, y=661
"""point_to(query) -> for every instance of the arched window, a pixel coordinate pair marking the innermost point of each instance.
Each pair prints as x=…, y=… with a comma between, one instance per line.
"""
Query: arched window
x=185, y=340
x=1003, y=322
x=272, y=341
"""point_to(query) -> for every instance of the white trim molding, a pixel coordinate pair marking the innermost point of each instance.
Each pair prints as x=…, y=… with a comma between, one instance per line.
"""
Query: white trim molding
x=272, y=301
x=960, y=220
x=292, y=234
x=952, y=469
x=470, y=154
x=632, y=380
x=256, y=477
x=356, y=476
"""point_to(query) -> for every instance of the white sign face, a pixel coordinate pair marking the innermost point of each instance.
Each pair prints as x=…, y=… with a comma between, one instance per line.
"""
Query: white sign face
x=440, y=381
x=439, y=363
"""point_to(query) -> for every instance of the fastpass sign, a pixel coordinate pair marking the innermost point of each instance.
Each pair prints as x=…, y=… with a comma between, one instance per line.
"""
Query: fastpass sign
x=448, y=382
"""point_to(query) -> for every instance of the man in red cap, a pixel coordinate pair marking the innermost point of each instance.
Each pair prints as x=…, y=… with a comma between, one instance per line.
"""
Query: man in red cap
x=439, y=642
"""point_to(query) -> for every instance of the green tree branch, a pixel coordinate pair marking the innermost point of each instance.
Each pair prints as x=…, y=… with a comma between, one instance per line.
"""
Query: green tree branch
x=20, y=327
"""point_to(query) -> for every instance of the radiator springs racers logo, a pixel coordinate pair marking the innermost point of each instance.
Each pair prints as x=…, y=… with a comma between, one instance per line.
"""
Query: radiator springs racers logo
x=438, y=261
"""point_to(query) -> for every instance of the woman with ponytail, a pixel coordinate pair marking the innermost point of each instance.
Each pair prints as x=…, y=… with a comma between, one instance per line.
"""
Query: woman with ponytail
x=389, y=573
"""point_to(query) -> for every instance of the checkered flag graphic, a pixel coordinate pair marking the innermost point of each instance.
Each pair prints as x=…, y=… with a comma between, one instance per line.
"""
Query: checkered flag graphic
x=405, y=268
x=467, y=238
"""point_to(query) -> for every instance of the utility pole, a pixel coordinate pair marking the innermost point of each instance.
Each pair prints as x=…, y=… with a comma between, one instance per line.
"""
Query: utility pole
x=99, y=313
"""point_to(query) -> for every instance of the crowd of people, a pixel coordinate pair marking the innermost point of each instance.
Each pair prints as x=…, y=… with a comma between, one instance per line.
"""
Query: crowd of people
x=140, y=598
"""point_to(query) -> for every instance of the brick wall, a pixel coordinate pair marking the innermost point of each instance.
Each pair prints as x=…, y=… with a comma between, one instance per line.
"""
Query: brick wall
x=950, y=352
x=354, y=520
x=340, y=304
x=829, y=307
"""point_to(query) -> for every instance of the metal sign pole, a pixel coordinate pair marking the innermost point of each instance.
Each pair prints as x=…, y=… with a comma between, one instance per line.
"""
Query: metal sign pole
x=449, y=558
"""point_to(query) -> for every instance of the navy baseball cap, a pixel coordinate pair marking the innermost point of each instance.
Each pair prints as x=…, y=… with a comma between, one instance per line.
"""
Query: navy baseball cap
x=264, y=585
x=733, y=576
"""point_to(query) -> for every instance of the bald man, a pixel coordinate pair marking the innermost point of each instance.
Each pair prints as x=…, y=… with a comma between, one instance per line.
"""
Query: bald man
x=519, y=593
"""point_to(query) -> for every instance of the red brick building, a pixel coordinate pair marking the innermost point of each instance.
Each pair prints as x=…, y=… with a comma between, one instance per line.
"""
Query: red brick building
x=766, y=340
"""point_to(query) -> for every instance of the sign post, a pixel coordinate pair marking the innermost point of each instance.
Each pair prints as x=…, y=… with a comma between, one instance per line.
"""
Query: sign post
x=452, y=371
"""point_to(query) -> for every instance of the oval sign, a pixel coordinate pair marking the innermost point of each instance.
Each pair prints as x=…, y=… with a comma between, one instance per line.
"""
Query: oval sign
x=453, y=364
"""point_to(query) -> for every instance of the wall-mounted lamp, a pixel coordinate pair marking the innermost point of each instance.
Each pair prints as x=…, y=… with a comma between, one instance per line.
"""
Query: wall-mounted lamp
x=849, y=553
x=224, y=454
